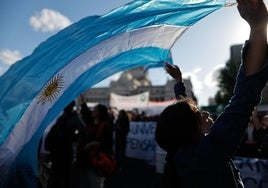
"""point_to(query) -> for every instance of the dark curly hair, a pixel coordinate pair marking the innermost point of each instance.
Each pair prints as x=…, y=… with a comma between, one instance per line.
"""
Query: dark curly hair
x=178, y=126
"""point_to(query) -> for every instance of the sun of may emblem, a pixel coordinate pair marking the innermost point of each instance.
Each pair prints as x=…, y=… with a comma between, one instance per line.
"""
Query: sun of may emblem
x=51, y=90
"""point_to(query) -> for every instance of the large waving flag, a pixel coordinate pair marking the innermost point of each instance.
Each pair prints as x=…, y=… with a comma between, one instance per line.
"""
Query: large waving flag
x=36, y=89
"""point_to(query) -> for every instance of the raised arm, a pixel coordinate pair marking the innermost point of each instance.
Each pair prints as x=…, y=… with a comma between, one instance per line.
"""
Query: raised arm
x=175, y=72
x=230, y=126
x=255, y=13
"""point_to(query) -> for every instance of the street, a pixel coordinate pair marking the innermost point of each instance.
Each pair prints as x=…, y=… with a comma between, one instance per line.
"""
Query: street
x=135, y=174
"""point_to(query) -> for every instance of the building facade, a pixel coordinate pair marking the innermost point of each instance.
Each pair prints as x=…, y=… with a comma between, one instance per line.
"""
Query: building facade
x=133, y=82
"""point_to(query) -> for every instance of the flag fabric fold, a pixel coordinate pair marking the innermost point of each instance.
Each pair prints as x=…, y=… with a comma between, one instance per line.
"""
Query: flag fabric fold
x=37, y=88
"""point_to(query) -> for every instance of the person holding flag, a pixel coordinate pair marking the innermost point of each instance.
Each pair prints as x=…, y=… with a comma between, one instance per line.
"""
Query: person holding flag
x=203, y=159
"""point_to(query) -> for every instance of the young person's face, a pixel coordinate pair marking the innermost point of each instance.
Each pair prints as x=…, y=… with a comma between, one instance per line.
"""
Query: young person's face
x=265, y=121
x=205, y=121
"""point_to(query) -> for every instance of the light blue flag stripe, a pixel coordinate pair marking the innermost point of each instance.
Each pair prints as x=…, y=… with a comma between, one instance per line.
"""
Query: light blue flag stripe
x=132, y=52
x=22, y=83
x=168, y=60
x=51, y=55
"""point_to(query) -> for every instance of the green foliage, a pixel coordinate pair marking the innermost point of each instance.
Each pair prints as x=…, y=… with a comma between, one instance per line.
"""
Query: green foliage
x=226, y=81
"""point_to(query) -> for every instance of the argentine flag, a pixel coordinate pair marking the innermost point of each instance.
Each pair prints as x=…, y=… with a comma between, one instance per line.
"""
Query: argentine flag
x=37, y=88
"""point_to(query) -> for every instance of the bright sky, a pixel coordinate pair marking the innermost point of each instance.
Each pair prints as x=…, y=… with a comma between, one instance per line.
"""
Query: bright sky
x=199, y=52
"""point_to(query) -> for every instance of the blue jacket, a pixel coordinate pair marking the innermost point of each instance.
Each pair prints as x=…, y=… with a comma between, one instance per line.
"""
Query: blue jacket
x=209, y=163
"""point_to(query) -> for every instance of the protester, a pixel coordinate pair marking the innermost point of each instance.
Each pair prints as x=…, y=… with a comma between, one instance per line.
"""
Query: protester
x=260, y=120
x=121, y=132
x=196, y=160
x=103, y=138
x=249, y=143
x=105, y=127
x=81, y=168
x=61, y=142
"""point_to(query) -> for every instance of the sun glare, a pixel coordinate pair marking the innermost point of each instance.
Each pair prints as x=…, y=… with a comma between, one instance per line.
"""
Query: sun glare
x=242, y=33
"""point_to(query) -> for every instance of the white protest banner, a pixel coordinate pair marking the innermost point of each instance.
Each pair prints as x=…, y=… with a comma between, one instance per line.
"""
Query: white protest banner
x=254, y=171
x=141, y=140
x=120, y=102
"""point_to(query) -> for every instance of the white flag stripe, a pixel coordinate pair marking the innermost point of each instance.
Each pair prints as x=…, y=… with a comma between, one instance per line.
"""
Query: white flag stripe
x=159, y=36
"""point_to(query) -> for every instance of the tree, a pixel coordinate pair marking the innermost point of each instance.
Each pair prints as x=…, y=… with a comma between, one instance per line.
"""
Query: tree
x=226, y=81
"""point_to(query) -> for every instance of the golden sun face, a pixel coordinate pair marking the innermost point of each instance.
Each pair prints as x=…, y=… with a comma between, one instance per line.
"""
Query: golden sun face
x=51, y=90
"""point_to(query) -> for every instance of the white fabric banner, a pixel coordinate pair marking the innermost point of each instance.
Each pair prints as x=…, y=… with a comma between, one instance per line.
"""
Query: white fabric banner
x=141, y=141
x=120, y=102
x=141, y=145
x=254, y=171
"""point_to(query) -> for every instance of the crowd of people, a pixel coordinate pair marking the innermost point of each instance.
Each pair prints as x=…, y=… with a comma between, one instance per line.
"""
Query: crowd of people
x=199, y=148
x=66, y=160
x=72, y=139
x=77, y=130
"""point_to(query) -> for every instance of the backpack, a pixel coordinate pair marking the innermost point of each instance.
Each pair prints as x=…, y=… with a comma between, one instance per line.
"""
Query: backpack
x=102, y=162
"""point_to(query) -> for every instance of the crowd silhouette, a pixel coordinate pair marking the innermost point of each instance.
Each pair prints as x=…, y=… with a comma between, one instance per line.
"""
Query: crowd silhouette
x=200, y=147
